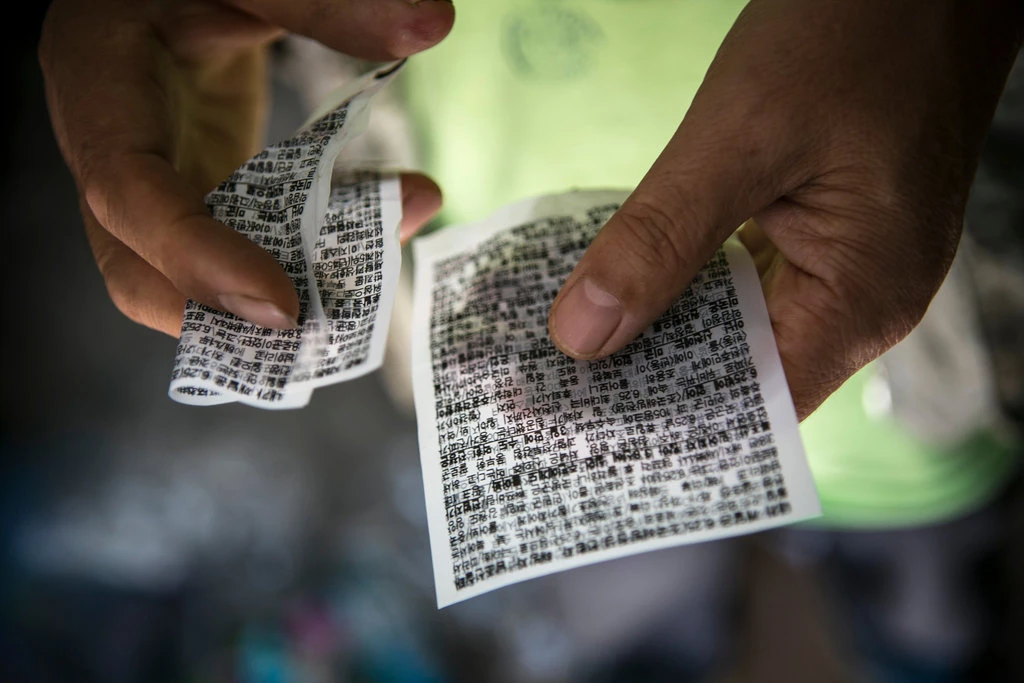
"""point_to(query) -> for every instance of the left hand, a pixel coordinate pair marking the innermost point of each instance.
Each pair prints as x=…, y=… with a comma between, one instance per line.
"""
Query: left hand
x=154, y=102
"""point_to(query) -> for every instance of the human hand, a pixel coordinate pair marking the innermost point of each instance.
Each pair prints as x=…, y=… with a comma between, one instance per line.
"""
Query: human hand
x=849, y=132
x=154, y=102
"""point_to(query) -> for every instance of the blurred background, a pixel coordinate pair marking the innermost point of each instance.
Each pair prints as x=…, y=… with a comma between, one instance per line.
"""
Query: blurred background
x=142, y=540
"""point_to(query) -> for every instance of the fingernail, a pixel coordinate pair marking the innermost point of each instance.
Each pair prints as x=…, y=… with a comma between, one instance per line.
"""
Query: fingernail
x=259, y=311
x=586, y=318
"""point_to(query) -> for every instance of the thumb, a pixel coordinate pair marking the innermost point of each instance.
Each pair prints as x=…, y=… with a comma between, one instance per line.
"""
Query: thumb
x=742, y=145
x=710, y=178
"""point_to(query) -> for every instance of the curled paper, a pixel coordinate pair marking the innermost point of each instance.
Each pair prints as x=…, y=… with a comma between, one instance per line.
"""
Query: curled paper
x=339, y=245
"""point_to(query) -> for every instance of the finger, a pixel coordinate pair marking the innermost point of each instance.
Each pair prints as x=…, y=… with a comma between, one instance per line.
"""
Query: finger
x=379, y=30
x=143, y=202
x=137, y=289
x=196, y=30
x=145, y=296
x=421, y=200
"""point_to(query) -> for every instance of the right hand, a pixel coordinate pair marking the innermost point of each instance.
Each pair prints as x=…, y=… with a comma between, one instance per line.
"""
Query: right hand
x=850, y=133
x=154, y=102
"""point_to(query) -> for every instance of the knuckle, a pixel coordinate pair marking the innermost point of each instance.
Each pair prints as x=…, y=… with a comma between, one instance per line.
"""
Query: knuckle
x=324, y=21
x=108, y=183
x=121, y=287
x=97, y=189
x=820, y=322
x=819, y=349
x=876, y=313
x=138, y=298
x=889, y=294
x=881, y=269
x=125, y=287
x=901, y=310
x=653, y=238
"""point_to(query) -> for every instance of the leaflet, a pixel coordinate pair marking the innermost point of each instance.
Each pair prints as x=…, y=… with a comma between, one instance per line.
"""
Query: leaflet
x=534, y=462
